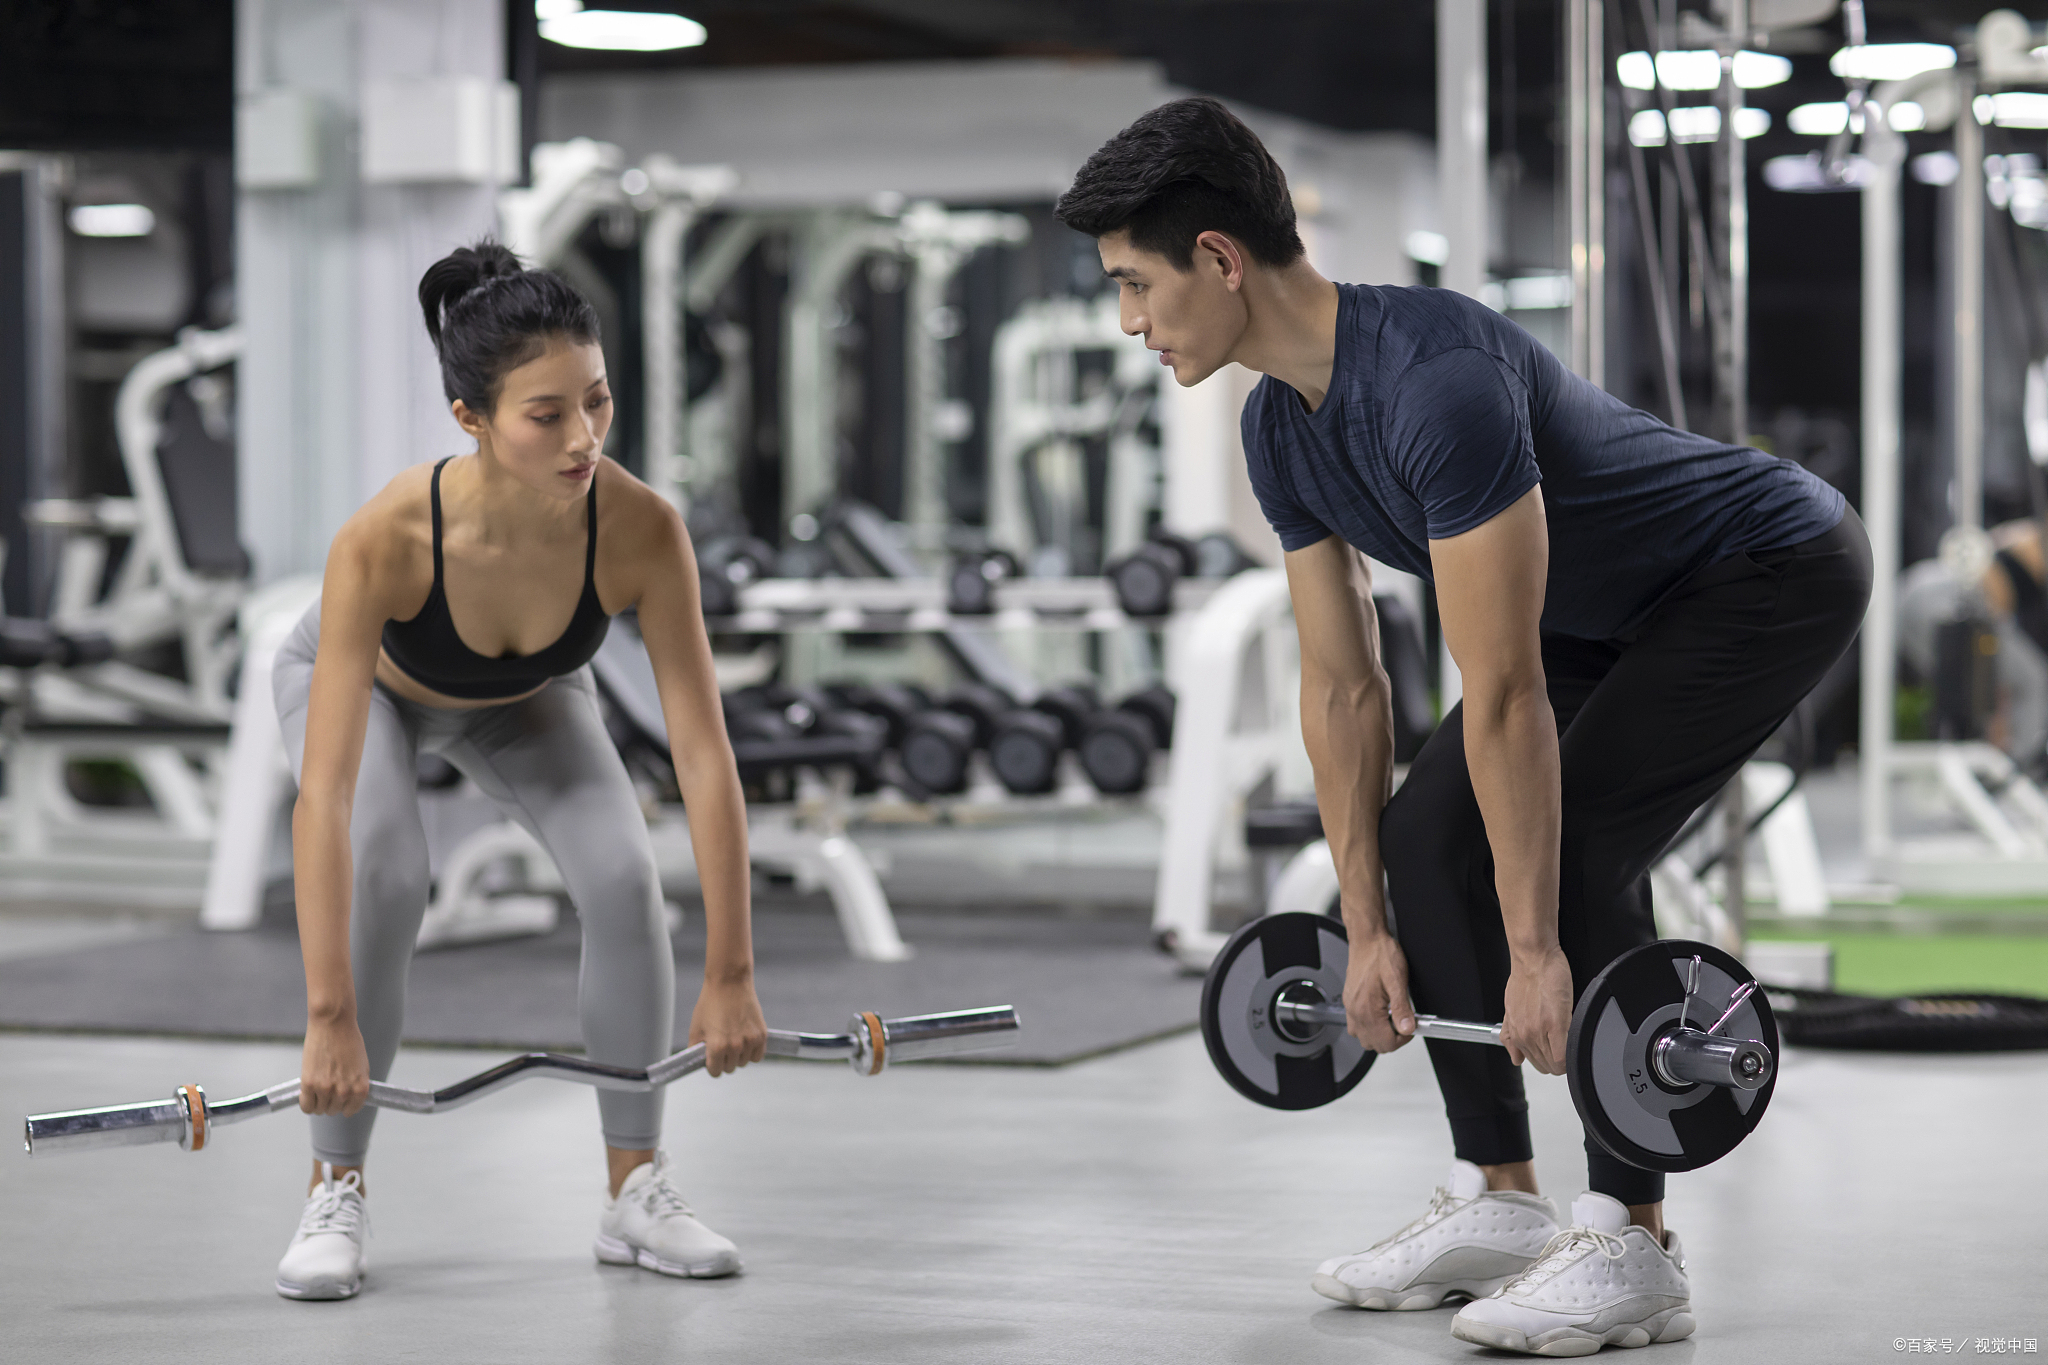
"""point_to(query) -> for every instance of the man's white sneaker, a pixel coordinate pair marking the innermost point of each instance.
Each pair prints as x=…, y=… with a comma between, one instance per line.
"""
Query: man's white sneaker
x=650, y=1225
x=1601, y=1282
x=325, y=1259
x=1470, y=1241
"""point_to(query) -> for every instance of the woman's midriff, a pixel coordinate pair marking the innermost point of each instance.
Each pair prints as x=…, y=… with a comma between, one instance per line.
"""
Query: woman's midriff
x=397, y=680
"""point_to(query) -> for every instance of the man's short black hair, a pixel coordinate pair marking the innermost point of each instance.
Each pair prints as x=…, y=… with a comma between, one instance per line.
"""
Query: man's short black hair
x=1180, y=170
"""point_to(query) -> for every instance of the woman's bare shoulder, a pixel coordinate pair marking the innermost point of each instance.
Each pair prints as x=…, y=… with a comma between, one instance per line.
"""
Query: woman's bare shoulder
x=641, y=535
x=635, y=518
x=387, y=544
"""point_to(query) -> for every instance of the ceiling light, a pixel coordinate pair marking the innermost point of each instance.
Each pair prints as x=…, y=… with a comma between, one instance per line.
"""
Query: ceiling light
x=2013, y=109
x=1695, y=123
x=1891, y=61
x=1700, y=70
x=555, y=9
x=1906, y=117
x=112, y=220
x=1807, y=175
x=617, y=30
x=1937, y=168
x=1820, y=120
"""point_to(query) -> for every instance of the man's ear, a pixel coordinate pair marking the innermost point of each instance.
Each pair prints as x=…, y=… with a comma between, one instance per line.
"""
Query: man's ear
x=1216, y=252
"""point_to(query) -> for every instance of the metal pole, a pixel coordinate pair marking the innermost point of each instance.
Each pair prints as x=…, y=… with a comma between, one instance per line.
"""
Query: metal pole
x=1731, y=194
x=932, y=268
x=1967, y=204
x=662, y=356
x=1586, y=176
x=1461, y=140
x=1461, y=183
x=1885, y=151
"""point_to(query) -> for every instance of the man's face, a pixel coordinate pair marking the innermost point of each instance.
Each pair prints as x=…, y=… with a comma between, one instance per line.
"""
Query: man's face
x=1193, y=317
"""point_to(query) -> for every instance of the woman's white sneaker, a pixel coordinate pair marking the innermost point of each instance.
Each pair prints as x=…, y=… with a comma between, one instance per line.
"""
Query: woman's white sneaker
x=649, y=1225
x=325, y=1259
x=1601, y=1282
x=1469, y=1241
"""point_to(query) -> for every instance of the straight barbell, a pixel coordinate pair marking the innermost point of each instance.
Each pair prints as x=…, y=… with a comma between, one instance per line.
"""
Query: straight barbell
x=1656, y=1083
x=188, y=1118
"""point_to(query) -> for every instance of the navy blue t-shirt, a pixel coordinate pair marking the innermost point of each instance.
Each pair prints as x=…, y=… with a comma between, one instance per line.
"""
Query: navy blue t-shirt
x=1441, y=413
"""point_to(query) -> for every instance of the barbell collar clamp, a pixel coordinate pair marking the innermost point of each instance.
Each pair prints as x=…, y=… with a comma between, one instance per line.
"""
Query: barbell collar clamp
x=1689, y=1056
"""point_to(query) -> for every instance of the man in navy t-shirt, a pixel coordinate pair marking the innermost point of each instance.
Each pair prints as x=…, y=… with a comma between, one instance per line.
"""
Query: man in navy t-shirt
x=1634, y=609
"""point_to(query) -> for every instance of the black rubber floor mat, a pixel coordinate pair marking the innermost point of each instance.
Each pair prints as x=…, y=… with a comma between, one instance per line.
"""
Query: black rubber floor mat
x=1962, y=1021
x=1081, y=986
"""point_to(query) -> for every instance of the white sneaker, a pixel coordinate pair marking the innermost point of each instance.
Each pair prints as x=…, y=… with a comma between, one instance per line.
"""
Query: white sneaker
x=1601, y=1282
x=650, y=1225
x=325, y=1259
x=1470, y=1241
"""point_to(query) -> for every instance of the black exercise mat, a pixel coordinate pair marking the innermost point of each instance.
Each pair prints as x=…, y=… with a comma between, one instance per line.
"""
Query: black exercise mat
x=1081, y=986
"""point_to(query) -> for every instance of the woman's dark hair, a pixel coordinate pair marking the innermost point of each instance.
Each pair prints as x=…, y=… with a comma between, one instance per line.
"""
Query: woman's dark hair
x=488, y=315
x=1180, y=170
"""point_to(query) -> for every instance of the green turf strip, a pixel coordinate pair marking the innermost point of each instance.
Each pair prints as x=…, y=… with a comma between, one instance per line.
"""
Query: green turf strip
x=1900, y=964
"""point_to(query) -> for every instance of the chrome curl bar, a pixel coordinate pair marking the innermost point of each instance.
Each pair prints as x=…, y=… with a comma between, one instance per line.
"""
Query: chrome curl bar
x=188, y=1118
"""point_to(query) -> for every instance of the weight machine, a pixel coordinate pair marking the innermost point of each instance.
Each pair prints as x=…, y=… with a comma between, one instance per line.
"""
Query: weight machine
x=180, y=582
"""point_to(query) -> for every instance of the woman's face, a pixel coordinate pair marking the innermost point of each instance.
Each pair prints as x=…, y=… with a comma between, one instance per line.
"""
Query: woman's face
x=552, y=416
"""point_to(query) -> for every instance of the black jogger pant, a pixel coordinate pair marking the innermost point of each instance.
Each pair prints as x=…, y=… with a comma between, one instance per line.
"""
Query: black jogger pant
x=1648, y=731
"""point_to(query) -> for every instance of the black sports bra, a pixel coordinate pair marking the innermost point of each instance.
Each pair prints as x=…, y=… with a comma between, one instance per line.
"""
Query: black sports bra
x=2029, y=601
x=427, y=649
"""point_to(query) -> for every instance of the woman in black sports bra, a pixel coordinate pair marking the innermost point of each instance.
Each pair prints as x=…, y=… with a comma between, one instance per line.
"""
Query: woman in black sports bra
x=459, y=610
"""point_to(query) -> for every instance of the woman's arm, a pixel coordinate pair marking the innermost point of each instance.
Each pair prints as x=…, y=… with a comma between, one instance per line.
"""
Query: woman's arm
x=334, y=1077
x=728, y=1016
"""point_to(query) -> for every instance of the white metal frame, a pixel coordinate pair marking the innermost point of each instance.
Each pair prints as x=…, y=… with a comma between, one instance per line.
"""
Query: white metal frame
x=1235, y=667
x=1034, y=405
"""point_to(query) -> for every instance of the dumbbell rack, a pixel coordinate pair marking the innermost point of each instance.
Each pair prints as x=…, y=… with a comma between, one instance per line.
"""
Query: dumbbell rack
x=1231, y=661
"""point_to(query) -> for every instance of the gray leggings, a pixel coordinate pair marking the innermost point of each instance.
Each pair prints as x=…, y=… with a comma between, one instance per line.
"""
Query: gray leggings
x=548, y=763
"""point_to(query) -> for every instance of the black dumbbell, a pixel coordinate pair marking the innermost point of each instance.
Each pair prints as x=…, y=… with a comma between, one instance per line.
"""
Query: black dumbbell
x=894, y=704
x=938, y=743
x=1115, y=746
x=1155, y=704
x=972, y=578
x=1144, y=579
x=1117, y=751
x=727, y=564
x=1218, y=555
x=1026, y=746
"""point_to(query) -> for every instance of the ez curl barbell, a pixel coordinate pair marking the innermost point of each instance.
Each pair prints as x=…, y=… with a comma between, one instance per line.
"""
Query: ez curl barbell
x=188, y=1118
x=1672, y=1056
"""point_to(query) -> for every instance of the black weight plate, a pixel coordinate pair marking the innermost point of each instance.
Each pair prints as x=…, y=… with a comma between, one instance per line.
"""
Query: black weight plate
x=1627, y=1109
x=1257, y=961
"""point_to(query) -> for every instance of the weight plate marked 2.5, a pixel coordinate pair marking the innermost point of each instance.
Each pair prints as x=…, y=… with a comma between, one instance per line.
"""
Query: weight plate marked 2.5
x=1623, y=1011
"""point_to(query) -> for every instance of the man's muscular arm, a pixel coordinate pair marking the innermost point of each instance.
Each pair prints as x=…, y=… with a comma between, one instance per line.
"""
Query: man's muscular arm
x=1347, y=724
x=1489, y=590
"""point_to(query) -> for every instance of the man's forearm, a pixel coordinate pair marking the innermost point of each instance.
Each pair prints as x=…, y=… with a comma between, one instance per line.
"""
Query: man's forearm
x=1511, y=752
x=1348, y=728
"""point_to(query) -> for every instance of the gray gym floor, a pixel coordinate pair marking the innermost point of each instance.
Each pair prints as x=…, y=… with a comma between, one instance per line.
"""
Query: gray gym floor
x=1130, y=1208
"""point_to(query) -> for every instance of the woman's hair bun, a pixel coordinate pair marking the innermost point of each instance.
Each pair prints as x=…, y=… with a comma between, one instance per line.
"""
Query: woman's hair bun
x=460, y=271
x=481, y=328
